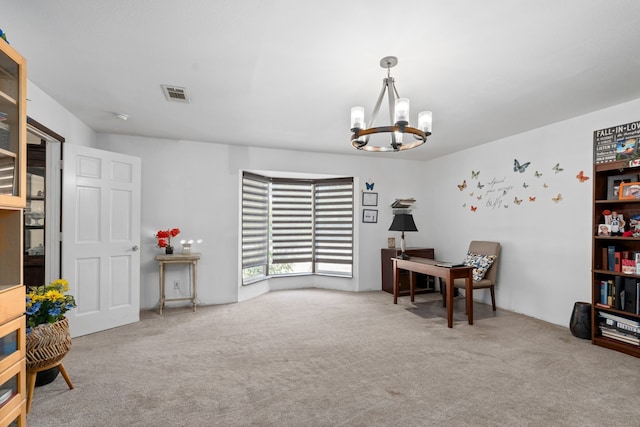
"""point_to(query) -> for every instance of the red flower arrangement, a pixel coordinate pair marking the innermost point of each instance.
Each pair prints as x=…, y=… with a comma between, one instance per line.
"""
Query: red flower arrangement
x=164, y=237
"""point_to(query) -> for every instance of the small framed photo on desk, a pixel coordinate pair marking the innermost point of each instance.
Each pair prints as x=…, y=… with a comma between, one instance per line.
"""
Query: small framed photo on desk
x=370, y=215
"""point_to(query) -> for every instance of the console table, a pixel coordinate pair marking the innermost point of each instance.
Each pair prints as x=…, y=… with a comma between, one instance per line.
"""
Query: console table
x=192, y=261
x=425, y=283
x=430, y=267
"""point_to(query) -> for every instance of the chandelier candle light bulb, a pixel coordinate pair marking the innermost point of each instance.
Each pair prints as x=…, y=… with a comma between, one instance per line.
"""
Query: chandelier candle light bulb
x=424, y=121
x=401, y=112
x=357, y=118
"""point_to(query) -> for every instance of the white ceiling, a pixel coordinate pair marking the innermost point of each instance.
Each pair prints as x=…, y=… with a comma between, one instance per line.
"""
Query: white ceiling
x=285, y=73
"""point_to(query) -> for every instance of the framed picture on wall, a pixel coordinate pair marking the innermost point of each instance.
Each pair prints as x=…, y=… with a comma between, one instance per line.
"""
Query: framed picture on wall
x=613, y=184
x=369, y=199
x=369, y=215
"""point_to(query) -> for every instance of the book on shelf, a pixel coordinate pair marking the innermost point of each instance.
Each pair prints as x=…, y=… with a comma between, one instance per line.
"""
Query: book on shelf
x=617, y=258
x=611, y=250
x=618, y=318
x=628, y=266
x=5, y=394
x=610, y=292
x=604, y=293
x=630, y=295
x=605, y=258
x=616, y=334
x=624, y=327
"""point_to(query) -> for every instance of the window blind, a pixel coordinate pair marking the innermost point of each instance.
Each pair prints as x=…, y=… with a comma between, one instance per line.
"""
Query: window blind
x=255, y=220
x=291, y=221
x=334, y=221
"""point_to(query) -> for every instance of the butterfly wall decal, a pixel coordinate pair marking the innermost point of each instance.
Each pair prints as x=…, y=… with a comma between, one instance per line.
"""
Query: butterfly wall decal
x=463, y=185
x=464, y=205
x=517, y=167
x=532, y=199
x=480, y=197
x=538, y=174
x=480, y=185
x=473, y=208
x=557, y=168
x=474, y=174
x=471, y=194
x=517, y=201
x=370, y=185
x=557, y=198
x=581, y=176
x=525, y=185
x=545, y=185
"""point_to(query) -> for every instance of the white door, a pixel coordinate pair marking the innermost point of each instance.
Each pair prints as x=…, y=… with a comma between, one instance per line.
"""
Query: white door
x=100, y=237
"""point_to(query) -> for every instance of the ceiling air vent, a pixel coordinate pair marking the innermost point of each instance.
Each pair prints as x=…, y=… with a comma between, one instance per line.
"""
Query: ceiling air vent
x=175, y=93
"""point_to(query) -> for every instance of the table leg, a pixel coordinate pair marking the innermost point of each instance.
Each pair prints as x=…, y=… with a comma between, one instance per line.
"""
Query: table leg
x=396, y=279
x=469, y=297
x=161, y=302
x=195, y=285
x=449, y=295
x=412, y=283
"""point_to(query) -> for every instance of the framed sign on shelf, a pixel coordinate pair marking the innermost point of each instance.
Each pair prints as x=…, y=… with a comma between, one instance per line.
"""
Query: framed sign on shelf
x=369, y=199
x=369, y=215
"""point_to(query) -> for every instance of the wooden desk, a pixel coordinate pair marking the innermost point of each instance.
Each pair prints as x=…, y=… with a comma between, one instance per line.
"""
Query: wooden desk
x=192, y=261
x=428, y=266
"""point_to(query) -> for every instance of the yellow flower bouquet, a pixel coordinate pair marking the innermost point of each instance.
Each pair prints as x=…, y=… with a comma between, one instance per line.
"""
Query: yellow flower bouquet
x=48, y=303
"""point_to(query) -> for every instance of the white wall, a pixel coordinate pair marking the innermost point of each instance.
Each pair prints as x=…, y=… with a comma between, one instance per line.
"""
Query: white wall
x=48, y=112
x=196, y=187
x=546, y=246
x=546, y=258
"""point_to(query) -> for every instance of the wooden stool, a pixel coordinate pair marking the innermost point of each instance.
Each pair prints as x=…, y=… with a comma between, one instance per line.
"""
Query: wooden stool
x=31, y=380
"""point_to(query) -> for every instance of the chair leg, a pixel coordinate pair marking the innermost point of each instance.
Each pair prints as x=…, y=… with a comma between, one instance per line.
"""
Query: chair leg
x=31, y=385
x=65, y=376
x=493, y=297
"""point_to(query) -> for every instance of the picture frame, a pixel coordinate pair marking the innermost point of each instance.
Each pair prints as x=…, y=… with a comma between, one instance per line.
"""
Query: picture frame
x=614, y=181
x=391, y=242
x=370, y=215
x=604, y=230
x=629, y=191
x=369, y=199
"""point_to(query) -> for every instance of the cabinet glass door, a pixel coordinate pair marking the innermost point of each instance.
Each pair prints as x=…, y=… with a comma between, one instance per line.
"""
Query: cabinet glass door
x=11, y=123
x=34, y=226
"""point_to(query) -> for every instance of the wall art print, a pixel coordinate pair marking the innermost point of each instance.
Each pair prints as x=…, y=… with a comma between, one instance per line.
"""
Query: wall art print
x=529, y=183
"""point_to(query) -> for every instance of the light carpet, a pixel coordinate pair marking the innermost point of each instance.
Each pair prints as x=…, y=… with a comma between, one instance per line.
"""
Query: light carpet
x=330, y=358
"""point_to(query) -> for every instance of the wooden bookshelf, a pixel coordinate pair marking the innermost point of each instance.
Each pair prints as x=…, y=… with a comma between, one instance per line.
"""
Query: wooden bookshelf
x=607, y=284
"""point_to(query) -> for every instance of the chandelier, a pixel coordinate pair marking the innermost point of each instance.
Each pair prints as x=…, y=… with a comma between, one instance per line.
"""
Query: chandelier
x=398, y=115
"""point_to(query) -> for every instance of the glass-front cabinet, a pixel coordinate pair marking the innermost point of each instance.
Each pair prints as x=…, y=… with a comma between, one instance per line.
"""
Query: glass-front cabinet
x=13, y=189
x=12, y=126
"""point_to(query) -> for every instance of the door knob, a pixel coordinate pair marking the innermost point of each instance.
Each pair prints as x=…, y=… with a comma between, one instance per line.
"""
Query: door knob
x=135, y=248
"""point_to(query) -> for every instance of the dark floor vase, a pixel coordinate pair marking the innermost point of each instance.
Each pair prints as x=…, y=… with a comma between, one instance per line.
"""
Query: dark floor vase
x=46, y=377
x=580, y=324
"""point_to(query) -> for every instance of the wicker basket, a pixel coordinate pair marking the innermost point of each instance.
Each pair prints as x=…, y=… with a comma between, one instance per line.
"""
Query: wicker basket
x=47, y=344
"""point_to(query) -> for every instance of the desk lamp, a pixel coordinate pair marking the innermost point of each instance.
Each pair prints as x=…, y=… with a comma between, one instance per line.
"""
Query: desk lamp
x=403, y=222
